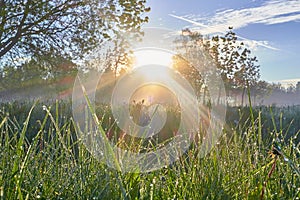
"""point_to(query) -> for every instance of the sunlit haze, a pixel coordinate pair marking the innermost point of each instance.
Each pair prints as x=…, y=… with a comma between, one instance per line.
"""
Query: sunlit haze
x=152, y=56
x=147, y=58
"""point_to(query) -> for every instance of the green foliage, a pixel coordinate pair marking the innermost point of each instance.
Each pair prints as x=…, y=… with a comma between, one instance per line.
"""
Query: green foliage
x=54, y=164
x=232, y=59
x=68, y=29
x=192, y=59
x=34, y=73
x=281, y=121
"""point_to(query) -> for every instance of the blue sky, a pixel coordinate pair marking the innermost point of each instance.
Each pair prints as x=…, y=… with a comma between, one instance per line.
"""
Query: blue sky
x=271, y=28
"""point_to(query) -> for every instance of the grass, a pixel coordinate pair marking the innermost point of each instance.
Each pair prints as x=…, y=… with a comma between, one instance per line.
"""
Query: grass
x=41, y=158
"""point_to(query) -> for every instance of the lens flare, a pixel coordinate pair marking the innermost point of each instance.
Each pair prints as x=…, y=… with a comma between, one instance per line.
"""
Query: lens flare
x=149, y=115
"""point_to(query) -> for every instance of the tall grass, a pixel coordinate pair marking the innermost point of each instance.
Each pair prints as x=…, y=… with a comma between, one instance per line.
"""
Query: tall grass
x=41, y=158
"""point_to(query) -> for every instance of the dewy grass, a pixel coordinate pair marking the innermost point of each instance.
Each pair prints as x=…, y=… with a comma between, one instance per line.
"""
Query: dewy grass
x=18, y=167
x=107, y=144
x=37, y=163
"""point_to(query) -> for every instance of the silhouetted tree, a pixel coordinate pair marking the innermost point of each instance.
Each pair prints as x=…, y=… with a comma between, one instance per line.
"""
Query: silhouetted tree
x=66, y=28
x=233, y=60
x=238, y=68
x=298, y=87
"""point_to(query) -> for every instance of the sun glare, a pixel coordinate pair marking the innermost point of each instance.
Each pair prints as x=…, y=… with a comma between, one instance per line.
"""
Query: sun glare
x=153, y=57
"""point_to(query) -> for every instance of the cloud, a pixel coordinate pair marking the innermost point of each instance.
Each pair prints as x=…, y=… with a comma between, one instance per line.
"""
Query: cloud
x=284, y=19
x=271, y=12
x=253, y=44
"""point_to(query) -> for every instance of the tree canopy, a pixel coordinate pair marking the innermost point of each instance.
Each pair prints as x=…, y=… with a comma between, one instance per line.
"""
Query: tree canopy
x=63, y=28
x=233, y=60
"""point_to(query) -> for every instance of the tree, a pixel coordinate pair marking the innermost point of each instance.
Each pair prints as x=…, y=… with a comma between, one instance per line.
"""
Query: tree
x=259, y=91
x=64, y=28
x=291, y=89
x=35, y=73
x=190, y=60
x=234, y=62
x=10, y=77
x=119, y=57
x=238, y=68
x=298, y=87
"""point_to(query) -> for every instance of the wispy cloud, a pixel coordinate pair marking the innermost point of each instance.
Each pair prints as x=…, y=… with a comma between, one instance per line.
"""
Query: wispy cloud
x=271, y=12
x=251, y=43
x=283, y=19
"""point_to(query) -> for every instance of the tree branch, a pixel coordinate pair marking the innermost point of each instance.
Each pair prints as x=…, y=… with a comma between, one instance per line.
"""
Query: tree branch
x=12, y=41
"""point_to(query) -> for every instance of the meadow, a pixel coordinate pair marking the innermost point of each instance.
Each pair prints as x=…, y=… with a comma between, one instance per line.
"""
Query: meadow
x=41, y=157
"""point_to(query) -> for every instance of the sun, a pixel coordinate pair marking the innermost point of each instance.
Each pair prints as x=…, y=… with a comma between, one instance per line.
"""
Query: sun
x=152, y=56
x=153, y=64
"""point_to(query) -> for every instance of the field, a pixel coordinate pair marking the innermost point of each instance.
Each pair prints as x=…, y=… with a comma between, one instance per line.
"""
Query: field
x=41, y=158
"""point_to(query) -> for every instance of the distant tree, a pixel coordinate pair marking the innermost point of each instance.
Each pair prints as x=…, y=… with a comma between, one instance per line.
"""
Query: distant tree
x=234, y=62
x=10, y=77
x=277, y=88
x=248, y=73
x=291, y=89
x=238, y=68
x=119, y=57
x=22, y=76
x=190, y=60
x=66, y=28
x=260, y=90
x=298, y=87
x=34, y=73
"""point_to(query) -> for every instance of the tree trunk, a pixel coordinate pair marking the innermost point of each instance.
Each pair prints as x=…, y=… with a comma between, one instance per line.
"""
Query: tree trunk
x=219, y=95
x=243, y=94
x=204, y=95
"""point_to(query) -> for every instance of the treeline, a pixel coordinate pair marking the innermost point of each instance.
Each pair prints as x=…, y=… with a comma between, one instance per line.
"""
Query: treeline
x=198, y=58
x=271, y=94
x=33, y=80
x=39, y=40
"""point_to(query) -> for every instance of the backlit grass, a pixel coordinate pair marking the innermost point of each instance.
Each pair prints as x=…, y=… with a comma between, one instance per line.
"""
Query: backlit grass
x=41, y=158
